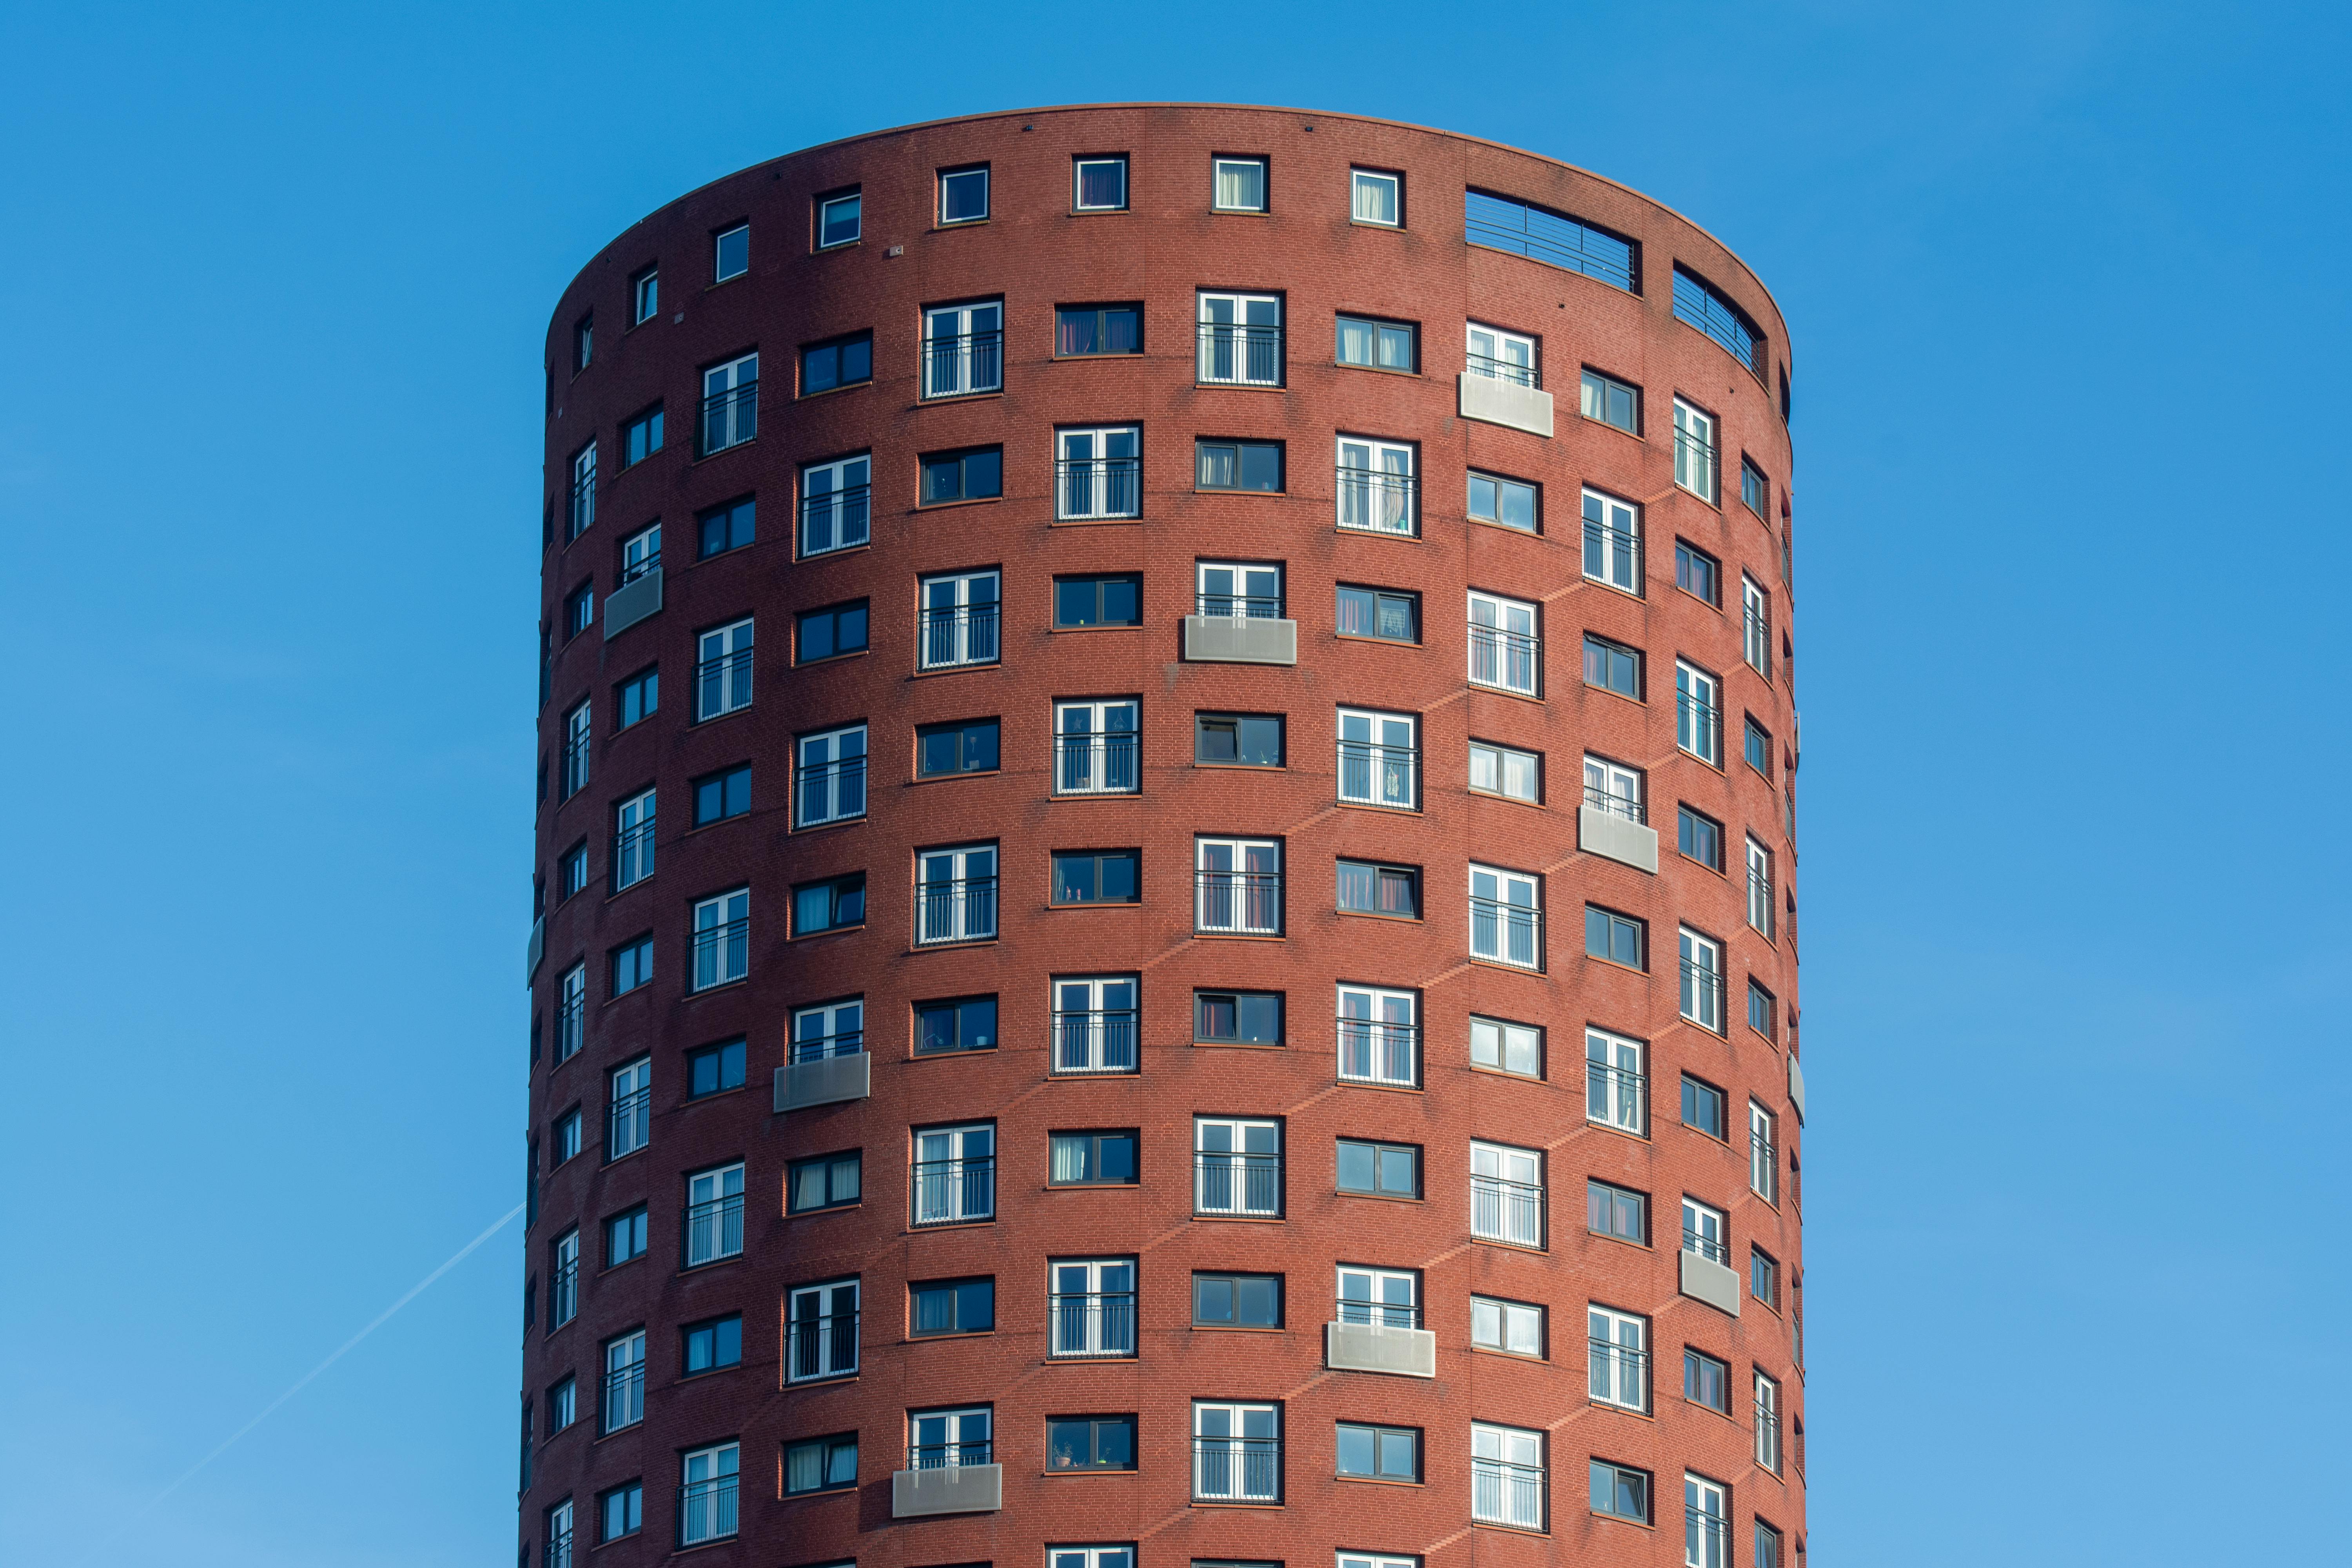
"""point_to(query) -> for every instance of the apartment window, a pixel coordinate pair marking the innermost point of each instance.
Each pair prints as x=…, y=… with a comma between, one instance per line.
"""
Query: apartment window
x=725, y=528
x=1098, y=474
x=1506, y=503
x=722, y=670
x=1707, y=1512
x=1096, y=748
x=629, y=1113
x=955, y=894
x=840, y=219
x=1611, y=401
x=624, y=1237
x=1699, y=837
x=963, y=348
x=1238, y=184
x=1240, y=339
x=1237, y=466
x=829, y=1181
x=1702, y=980
x=707, y=1494
x=1092, y=1159
x=1090, y=1443
x=1695, y=454
x=1697, y=574
x=1376, y=197
x=1613, y=666
x=942, y=1439
x=714, y=1069
x=1112, y=600
x=636, y=697
x=1373, y=890
x=1238, y=886
x=963, y=194
x=1504, y=650
x=563, y=1279
x=1507, y=1194
x=831, y=1029
x=625, y=1381
x=1617, y=1212
x=1379, y=1453
x=645, y=295
x=1096, y=1023
x=1378, y=345
x=1620, y=1346
x=571, y=871
x=1237, y=1017
x=952, y=1307
x=580, y=610
x=1099, y=184
x=1389, y=1298
x=825, y=1464
x=958, y=620
x=715, y=1344
x=1237, y=1167
x=570, y=1011
x=1515, y=1328
x=1756, y=626
x=1377, y=487
x=1614, y=788
x=1515, y=1048
x=840, y=362
x=1501, y=223
x=633, y=965
x=583, y=342
x=969, y=747
x=731, y=403
x=974, y=475
x=558, y=1523
x=1238, y=739
x=1703, y=1231
x=1615, y=937
x=1768, y=1543
x=835, y=902
x=821, y=1332
x=1379, y=762
x=1763, y=1165
x=1760, y=1011
x=1092, y=1306
x=714, y=1215
x=1097, y=877
x=1621, y=1492
x=1506, y=916
x=1755, y=490
x=1707, y=1381
x=1616, y=1093
x=1500, y=770
x=1760, y=888
x=1083, y=332
x=1699, y=303
x=1240, y=591
x=719, y=796
x=836, y=509
x=1378, y=614
x=731, y=252
x=824, y=634
x=1236, y=1453
x=1756, y=746
x=640, y=554
x=1379, y=1170
x=832, y=776
x=722, y=939
x=623, y=1511
x=1379, y=1031
x=1698, y=713
x=1237, y=1300
x=965, y=1024
x=583, y=492
x=1503, y=356
x=1613, y=541
x=641, y=438
x=1506, y=1476
x=1764, y=1278
x=1091, y=1557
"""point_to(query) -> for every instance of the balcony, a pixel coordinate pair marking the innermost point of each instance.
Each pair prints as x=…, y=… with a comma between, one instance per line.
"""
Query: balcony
x=1503, y=932
x=1508, y=1494
x=1099, y=1041
x=1706, y=1278
x=534, y=950
x=1506, y=1211
x=1505, y=659
x=629, y=1123
x=1496, y=393
x=1366, y=1336
x=632, y=853
x=956, y=364
x=948, y=636
x=829, y=1070
x=957, y=908
x=1612, y=825
x=1797, y=1087
x=948, y=1478
x=1231, y=629
x=1376, y=1050
x=634, y=600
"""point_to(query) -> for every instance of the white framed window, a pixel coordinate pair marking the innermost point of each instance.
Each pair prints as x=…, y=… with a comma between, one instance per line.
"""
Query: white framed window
x=1092, y=1303
x=714, y=1215
x=1099, y=473
x=1613, y=541
x=1237, y=1452
x=1504, y=650
x=625, y=1381
x=1702, y=980
x=958, y=619
x=1376, y=197
x=1096, y=1023
x=1756, y=625
x=955, y=894
x=1238, y=886
x=1372, y=1559
x=1240, y=340
x=731, y=403
x=1506, y=1476
x=1237, y=184
x=834, y=1029
x=1388, y=1297
x=563, y=1279
x=1098, y=747
x=583, y=489
x=1506, y=916
x=1763, y=1161
x=1705, y=1232
x=1616, y=1090
x=1620, y=1346
x=836, y=505
x=708, y=1502
x=723, y=669
x=1500, y=770
x=821, y=1332
x=1506, y=1195
x=559, y=1535
x=1380, y=758
x=570, y=1011
x=1515, y=1049
x=722, y=939
x=1759, y=888
x=562, y=1405
x=644, y=295
x=1767, y=1423
x=730, y=253
x=963, y=195
x=1504, y=356
x=1698, y=713
x=1377, y=487
x=1706, y=1523
x=945, y=1439
x=640, y=554
x=1092, y=1557
x=1241, y=590
x=629, y=1107
x=567, y=1136
x=830, y=769
x=1099, y=184
x=840, y=220
x=1237, y=1166
x=576, y=726
x=1614, y=788
x=1695, y=468
x=1515, y=1328
x=1380, y=1036
x=963, y=348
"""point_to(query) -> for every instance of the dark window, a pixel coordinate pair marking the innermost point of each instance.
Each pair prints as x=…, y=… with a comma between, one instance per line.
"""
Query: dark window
x=641, y=438
x=1371, y=612
x=1768, y=1546
x=963, y=194
x=621, y=1511
x=722, y=796
x=1699, y=836
x=580, y=610
x=725, y=528
x=828, y=1182
x=974, y=475
x=624, y=1237
x=633, y=964
x=1699, y=303
x=1092, y=1159
x=1755, y=490
x=1611, y=402
x=714, y=1068
x=821, y=1464
x=1697, y=572
x=1090, y=1443
x=636, y=697
x=1367, y=888
x=822, y=906
x=1615, y=1211
x=1620, y=1492
x=1763, y=1278
x=953, y=1307
x=1550, y=238
x=1098, y=601
x=1757, y=748
x=1390, y=1170
x=968, y=1024
x=1707, y=1381
x=1097, y=329
x=1378, y=345
x=583, y=342
x=825, y=632
x=1760, y=1010
x=1380, y=1453
x=1237, y=1300
x=714, y=1344
x=1613, y=936
x=1703, y=1107
x=1613, y=666
x=1245, y=740
x=732, y=253
x=843, y=362
x=1097, y=877
x=1237, y=1017
x=970, y=747
x=1101, y=184
x=573, y=870
x=1238, y=465
x=645, y=295
x=839, y=217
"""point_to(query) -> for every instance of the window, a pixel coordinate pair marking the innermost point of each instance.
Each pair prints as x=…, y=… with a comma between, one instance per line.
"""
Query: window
x=1756, y=746
x=1702, y=980
x=1506, y=1476
x=633, y=965
x=1699, y=837
x=1618, y=1212
x=1240, y=590
x=558, y=1520
x=1237, y=1300
x=1092, y=1159
x=1505, y=651
x=707, y=1494
x=580, y=610
x=1095, y=1025
x=1091, y=1557
x=571, y=1001
x=1760, y=1011
x=1092, y=1303
x=1613, y=541
x=1506, y=916
x=1620, y=1346
x=836, y=505
x=832, y=776
x=1114, y=600
x=1706, y=1523
x=1237, y=1167
x=715, y=1344
x=970, y=747
x=645, y=295
x=1368, y=1559
x=1236, y=1453
x=1240, y=340
x=583, y=492
x=829, y=905
x=1376, y=486
x=563, y=1279
x=1764, y=1278
x=624, y=1237
x=1515, y=1328
x=1618, y=938
x=1371, y=889
x=1755, y=490
x=1238, y=184
x=1379, y=613
x=640, y=554
x=714, y=1069
x=952, y=1307
x=1707, y=1381
x=1768, y=1541
x=822, y=1465
x=641, y=438
x=628, y=1117
x=1613, y=666
x=731, y=403
x=1376, y=197
x=623, y=1511
x=1501, y=223
x=1621, y=1492
x=571, y=871
x=1616, y=1093
x=1703, y=1231
x=1611, y=402
x=722, y=796
x=824, y=634
x=840, y=219
x=829, y=1181
x=725, y=528
x=840, y=362
x=959, y=620
x=1380, y=1170
x=821, y=1332
x=1698, y=713
x=1379, y=1453
x=1090, y=1443
x=1238, y=739
x=722, y=670
x=1237, y=466
x=1237, y=1017
x=1763, y=1167
x=1699, y=303
x=1097, y=877
x=1098, y=474
x=963, y=348
x=730, y=253
x=1100, y=184
x=942, y=1439
x=1695, y=456
x=1096, y=748
x=1378, y=345
x=1500, y=770
x=1503, y=356
x=1697, y=574
x=625, y=1381
x=722, y=939
x=1084, y=332
x=963, y=194
x=1515, y=1048
x=1378, y=762
x=1614, y=788
x=636, y=697
x=974, y=475
x=1379, y=1031
x=968, y=1025
x=1238, y=886
x=714, y=1215
x=1506, y=503
x=583, y=342
x=1388, y=1297
x=1760, y=888
x=1507, y=1194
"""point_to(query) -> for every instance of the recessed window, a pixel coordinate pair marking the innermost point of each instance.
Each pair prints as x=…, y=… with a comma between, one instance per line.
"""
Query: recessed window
x=1502, y=355
x=640, y=554
x=963, y=348
x=829, y=905
x=1237, y=886
x=1760, y=888
x=824, y=634
x=1378, y=345
x=582, y=515
x=1613, y=666
x=641, y=438
x=1506, y=651
x=1379, y=760
x=1611, y=401
x=1240, y=340
x=1095, y=1023
x=821, y=1332
x=1613, y=541
x=1707, y=1520
x=1376, y=197
x=1699, y=303
x=974, y=475
x=583, y=342
x=1097, y=748
x=1506, y=1195
x=715, y=1344
x=623, y=1511
x=1379, y=613
x=1378, y=490
x=1552, y=238
x=1699, y=838
x=952, y=1307
x=1097, y=474
x=1760, y=1011
x=839, y=362
x=1237, y=1017
x=1238, y=739
x=1368, y=889
x=730, y=405
x=1702, y=980
x=1237, y=1452
x=840, y=219
x=1615, y=937
x=1086, y=332
x=636, y=697
x=625, y=1381
x=836, y=505
x=958, y=621
x=1621, y=1492
x=1237, y=465
x=955, y=1174
x=1379, y=1035
x=633, y=965
x=731, y=252
x=1703, y=1107
x=1703, y=1231
x=723, y=669
x=645, y=295
x=963, y=194
x=1620, y=1346
x=1506, y=503
x=565, y=1144
x=828, y=1182
x=968, y=747
x=968, y=1024
x=1097, y=876
x=1092, y=1159
x=580, y=610
x=1755, y=490
x=955, y=894
x=830, y=782
x=1241, y=590
x=1379, y=1453
x=1238, y=184
x=1698, y=574
x=1515, y=1328
x=1500, y=770
x=1694, y=453
x=719, y=796
x=624, y=1237
x=1237, y=1300
x=714, y=1215
x=822, y=1465
x=714, y=1069
x=1508, y=1483
x=725, y=528
x=1698, y=713
x=1767, y=1539
x=1515, y=1049
x=571, y=871
x=1112, y=600
x=1764, y=1278
x=1383, y=1170
x=1756, y=747
x=1099, y=184
x=1090, y=1443
x=831, y=1029
x=1237, y=1167
x=1616, y=1093
x=1763, y=1169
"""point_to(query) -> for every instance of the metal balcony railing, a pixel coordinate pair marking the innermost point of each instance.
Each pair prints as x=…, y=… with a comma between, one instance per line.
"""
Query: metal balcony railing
x=954, y=1192
x=1620, y=1374
x=824, y=1345
x=961, y=910
x=1502, y=370
x=1767, y=1438
x=722, y=684
x=1236, y=1469
x=1760, y=901
x=722, y=952
x=1615, y=1095
x=1505, y=1493
x=624, y=1396
x=1089, y=488
x=816, y=1048
x=1505, y=659
x=1237, y=353
x=1375, y=500
x=1756, y=637
x=632, y=570
x=570, y=1020
x=950, y=1456
x=1711, y=1248
x=563, y=1294
x=1616, y=805
x=1236, y=1183
x=1380, y=1314
x=1763, y=1167
x=632, y=853
x=1501, y=1210
x=706, y=1510
x=1098, y=1323
x=954, y=634
x=1702, y=994
x=1698, y=727
x=1239, y=903
x=582, y=503
x=1507, y=934
x=1613, y=555
x=1097, y=1041
x=1375, y=774
x=1706, y=1538
x=831, y=792
x=729, y=418
x=960, y=363
x=629, y=1123
x=836, y=520
x=1096, y=764
x=714, y=1229
x=1694, y=463
x=575, y=766
x=1240, y=606
x=1374, y=1050
x=558, y=1551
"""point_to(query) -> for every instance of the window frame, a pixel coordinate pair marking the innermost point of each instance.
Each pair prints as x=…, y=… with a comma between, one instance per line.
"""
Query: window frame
x=724, y=782
x=829, y=1339
x=836, y=889
x=954, y=1286
x=1506, y=646
x=1101, y=331
x=825, y=1166
x=823, y=218
x=828, y=1451
x=1104, y=1034
x=1501, y=365
x=1204, y=995
x=735, y=964
x=644, y=295
x=1371, y=1022
x=833, y=789
x=727, y=688
x=719, y=239
x=1384, y=499
x=1626, y=1358
x=929, y=464
x=1099, y=860
x=1080, y=164
x=1593, y=390
x=963, y=730
x=838, y=346
x=1698, y=452
x=971, y=635
x=1503, y=1312
x=1235, y=1279
x=1504, y=947
x=939, y=215
x=1378, y=333
x=1219, y=161
x=967, y=361
x=1385, y=875
x=1503, y=756
x=1204, y=719
x=1502, y=1230
x=1501, y=488
x=1362, y=179
x=1239, y=449
x=974, y=897
x=1378, y=1433
x=801, y=620
x=716, y=1052
x=1378, y=601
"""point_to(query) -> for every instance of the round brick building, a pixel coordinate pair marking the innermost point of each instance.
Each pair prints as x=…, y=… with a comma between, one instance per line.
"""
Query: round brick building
x=1166, y=926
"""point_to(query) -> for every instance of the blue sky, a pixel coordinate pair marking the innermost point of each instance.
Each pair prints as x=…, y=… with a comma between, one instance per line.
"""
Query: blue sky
x=2071, y=334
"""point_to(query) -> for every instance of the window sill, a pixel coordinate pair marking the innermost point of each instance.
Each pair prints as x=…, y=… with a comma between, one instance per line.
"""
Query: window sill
x=1113, y=212
x=1635, y=595
x=829, y=931
x=1698, y=599
x=833, y=391
x=1530, y=1248
x=951, y=947
x=1253, y=1506
x=987, y=1224
x=1098, y=795
x=715, y=990
x=1385, y=642
x=1378, y=369
x=832, y=658
x=858, y=548
x=696, y=462
x=713, y=1263
x=1238, y=1327
x=1375, y=915
x=1620, y=696
x=1592, y=957
x=954, y=669
x=1384, y=811
x=1504, y=691
x=1110, y=627
x=1092, y=521
x=1539, y=1534
x=946, y=226
x=1618, y=1240
x=1237, y=936
x=956, y=1334
x=1534, y=533
x=1377, y=1481
x=1092, y=904
x=799, y=829
x=1378, y=1197
x=948, y=778
x=829, y=1208
x=1383, y=227
x=1478, y=963
x=1511, y=1355
x=1682, y=489
x=1243, y=767
x=1592, y=423
x=1093, y=1186
x=1239, y=1218
x=957, y=504
x=1242, y=1045
x=1236, y=490
x=1082, y=359
x=982, y=396
x=1505, y=1072
x=948, y=1056
x=1091, y=1473
x=1199, y=385
x=1507, y=799
x=1626, y=1133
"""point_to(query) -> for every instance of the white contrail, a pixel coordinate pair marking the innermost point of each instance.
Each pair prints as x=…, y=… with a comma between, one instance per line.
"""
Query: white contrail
x=414, y=1291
